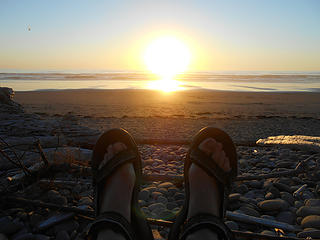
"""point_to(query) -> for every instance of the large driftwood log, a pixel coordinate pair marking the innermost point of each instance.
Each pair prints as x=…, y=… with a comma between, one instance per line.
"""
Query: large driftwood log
x=261, y=221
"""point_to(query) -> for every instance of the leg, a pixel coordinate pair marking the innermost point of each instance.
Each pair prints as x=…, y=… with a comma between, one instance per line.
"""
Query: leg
x=204, y=192
x=118, y=186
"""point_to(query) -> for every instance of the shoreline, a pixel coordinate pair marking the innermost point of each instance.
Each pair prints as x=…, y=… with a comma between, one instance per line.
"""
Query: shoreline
x=181, y=104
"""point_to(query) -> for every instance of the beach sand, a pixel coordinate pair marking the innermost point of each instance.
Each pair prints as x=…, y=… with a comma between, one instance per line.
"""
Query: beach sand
x=184, y=104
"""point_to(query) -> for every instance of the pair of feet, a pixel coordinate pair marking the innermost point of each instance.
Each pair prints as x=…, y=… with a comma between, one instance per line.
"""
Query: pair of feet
x=204, y=190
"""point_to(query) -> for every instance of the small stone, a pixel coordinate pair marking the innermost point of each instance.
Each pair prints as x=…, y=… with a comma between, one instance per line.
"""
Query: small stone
x=232, y=225
x=312, y=203
x=55, y=197
x=234, y=197
x=269, y=196
x=172, y=191
x=155, y=206
x=242, y=189
x=69, y=226
x=287, y=217
x=249, y=211
x=267, y=232
x=287, y=197
x=85, y=201
x=144, y=195
x=179, y=196
x=23, y=236
x=165, y=185
x=273, y=205
x=41, y=237
x=309, y=232
x=171, y=205
x=307, y=211
x=156, y=195
x=312, y=221
x=62, y=235
x=162, y=199
x=9, y=226
x=255, y=184
x=298, y=204
x=166, y=215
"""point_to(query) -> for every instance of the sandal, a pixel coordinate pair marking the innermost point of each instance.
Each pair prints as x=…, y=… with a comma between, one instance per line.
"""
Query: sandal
x=182, y=227
x=138, y=228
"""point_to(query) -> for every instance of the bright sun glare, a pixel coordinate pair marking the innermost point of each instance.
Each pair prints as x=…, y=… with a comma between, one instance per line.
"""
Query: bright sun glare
x=166, y=57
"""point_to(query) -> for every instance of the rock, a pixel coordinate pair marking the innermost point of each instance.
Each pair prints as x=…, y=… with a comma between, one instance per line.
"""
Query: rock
x=35, y=219
x=273, y=205
x=269, y=196
x=275, y=191
x=287, y=197
x=68, y=225
x=162, y=199
x=147, y=162
x=166, y=215
x=242, y=189
x=249, y=211
x=287, y=217
x=85, y=201
x=41, y=237
x=179, y=196
x=62, y=235
x=144, y=195
x=268, y=232
x=171, y=205
x=155, y=206
x=55, y=197
x=309, y=232
x=232, y=225
x=234, y=197
x=9, y=226
x=298, y=204
x=312, y=221
x=156, y=195
x=23, y=236
x=307, y=211
x=312, y=203
x=172, y=191
x=165, y=185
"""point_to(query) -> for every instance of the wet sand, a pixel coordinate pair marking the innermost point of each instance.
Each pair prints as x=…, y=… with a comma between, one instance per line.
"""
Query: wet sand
x=184, y=104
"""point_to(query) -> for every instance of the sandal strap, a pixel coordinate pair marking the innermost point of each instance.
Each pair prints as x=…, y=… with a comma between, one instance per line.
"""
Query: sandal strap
x=125, y=156
x=110, y=220
x=207, y=164
x=206, y=221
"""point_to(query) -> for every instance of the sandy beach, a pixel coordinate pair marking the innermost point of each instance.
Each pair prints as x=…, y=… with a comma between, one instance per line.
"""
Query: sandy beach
x=183, y=104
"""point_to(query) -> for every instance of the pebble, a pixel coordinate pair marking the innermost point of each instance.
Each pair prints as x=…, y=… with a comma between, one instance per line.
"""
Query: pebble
x=312, y=203
x=144, y=195
x=232, y=225
x=309, y=232
x=165, y=185
x=273, y=205
x=287, y=197
x=287, y=217
x=306, y=211
x=55, y=197
x=62, y=235
x=9, y=226
x=268, y=232
x=249, y=211
x=234, y=197
x=312, y=221
x=154, y=206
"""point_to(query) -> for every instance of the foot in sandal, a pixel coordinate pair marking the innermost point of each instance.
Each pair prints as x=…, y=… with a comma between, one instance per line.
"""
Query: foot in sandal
x=210, y=166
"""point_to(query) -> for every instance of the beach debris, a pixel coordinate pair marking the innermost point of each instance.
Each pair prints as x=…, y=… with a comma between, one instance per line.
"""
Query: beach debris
x=300, y=142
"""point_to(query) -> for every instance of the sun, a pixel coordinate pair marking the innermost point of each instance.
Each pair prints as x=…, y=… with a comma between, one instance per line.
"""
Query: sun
x=167, y=56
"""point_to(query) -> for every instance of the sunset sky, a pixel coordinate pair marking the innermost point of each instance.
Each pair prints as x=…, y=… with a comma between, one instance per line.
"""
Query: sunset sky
x=113, y=35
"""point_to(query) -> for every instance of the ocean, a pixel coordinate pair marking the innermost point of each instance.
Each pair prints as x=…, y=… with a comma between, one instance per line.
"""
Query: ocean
x=220, y=81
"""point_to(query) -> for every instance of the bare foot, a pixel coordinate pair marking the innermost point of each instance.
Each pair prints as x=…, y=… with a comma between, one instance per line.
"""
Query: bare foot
x=118, y=187
x=204, y=191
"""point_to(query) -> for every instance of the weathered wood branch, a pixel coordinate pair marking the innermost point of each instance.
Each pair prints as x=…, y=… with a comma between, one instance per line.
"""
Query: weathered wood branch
x=261, y=221
x=43, y=156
